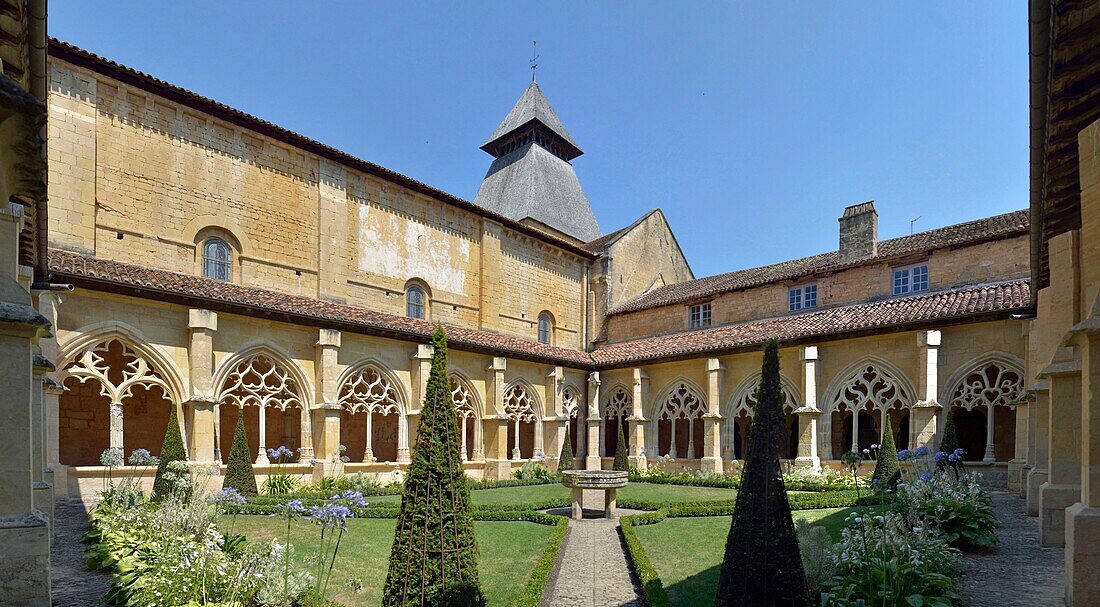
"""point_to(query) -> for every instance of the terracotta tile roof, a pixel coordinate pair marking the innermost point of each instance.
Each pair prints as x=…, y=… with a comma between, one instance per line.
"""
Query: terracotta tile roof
x=89, y=60
x=971, y=303
x=187, y=289
x=962, y=303
x=969, y=233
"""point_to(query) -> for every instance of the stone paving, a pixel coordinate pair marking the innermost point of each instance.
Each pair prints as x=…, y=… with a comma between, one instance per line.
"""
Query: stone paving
x=1018, y=572
x=73, y=584
x=592, y=569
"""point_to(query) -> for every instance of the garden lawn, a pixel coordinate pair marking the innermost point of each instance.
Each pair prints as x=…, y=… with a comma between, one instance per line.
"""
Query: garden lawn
x=687, y=552
x=508, y=551
x=531, y=494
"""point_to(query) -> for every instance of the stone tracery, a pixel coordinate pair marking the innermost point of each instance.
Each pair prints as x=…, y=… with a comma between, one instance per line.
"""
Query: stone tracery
x=619, y=407
x=682, y=402
x=262, y=382
x=519, y=407
x=367, y=390
x=463, y=398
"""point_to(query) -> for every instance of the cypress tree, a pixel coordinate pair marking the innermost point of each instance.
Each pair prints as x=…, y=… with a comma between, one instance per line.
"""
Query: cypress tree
x=887, y=471
x=565, y=459
x=762, y=565
x=434, y=554
x=622, y=464
x=949, y=442
x=238, y=471
x=171, y=451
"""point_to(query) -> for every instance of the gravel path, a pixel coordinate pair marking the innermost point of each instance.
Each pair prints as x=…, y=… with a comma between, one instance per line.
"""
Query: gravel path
x=1018, y=572
x=73, y=584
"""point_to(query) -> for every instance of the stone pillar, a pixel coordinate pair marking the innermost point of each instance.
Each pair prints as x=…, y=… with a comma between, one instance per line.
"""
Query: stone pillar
x=922, y=415
x=808, y=414
x=24, y=530
x=404, y=455
x=1019, y=456
x=201, y=409
x=1063, y=486
x=990, y=452
x=261, y=455
x=1037, y=476
x=1083, y=517
x=636, y=423
x=48, y=301
x=43, y=485
x=496, y=421
x=593, y=423
x=325, y=415
x=555, y=417
x=712, y=419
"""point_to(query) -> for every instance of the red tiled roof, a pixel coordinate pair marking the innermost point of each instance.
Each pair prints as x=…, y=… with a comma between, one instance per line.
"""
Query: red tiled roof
x=970, y=303
x=963, y=304
x=969, y=233
x=253, y=301
x=89, y=60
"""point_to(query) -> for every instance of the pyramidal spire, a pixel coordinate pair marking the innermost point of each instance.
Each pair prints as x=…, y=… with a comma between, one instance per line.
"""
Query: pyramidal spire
x=531, y=179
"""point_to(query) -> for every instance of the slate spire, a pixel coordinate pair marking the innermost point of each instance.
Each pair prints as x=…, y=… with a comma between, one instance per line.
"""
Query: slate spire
x=531, y=179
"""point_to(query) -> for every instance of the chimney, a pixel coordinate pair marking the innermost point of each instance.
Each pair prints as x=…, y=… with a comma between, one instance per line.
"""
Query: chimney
x=859, y=232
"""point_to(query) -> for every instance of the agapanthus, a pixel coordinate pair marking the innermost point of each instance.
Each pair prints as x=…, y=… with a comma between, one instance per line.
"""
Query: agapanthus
x=926, y=476
x=331, y=515
x=231, y=496
x=140, y=457
x=905, y=455
x=922, y=451
x=283, y=452
x=293, y=508
x=938, y=457
x=956, y=455
x=112, y=458
x=351, y=497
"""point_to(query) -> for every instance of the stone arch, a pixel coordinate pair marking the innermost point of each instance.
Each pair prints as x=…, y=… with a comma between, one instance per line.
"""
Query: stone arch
x=524, y=410
x=985, y=391
x=470, y=411
x=739, y=411
x=373, y=409
x=680, y=399
x=858, y=397
x=222, y=223
x=616, y=409
x=255, y=379
x=121, y=391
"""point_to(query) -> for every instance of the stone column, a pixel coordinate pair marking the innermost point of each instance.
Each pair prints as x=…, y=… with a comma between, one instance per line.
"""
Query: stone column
x=1019, y=457
x=496, y=421
x=261, y=455
x=1083, y=517
x=555, y=416
x=325, y=415
x=43, y=487
x=1038, y=474
x=808, y=414
x=593, y=422
x=48, y=302
x=368, y=450
x=201, y=409
x=922, y=416
x=990, y=452
x=409, y=420
x=712, y=419
x=1063, y=486
x=637, y=421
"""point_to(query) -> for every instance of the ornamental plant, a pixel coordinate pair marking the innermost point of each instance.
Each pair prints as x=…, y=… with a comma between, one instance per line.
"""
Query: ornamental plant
x=887, y=473
x=762, y=565
x=238, y=471
x=434, y=549
x=279, y=483
x=949, y=443
x=621, y=464
x=565, y=460
x=171, y=451
x=960, y=508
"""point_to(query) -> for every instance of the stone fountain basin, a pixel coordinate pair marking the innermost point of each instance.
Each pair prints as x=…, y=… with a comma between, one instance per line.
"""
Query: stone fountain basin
x=594, y=479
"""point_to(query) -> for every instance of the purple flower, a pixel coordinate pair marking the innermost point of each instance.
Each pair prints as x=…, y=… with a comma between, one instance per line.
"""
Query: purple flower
x=926, y=476
x=904, y=454
x=295, y=506
x=938, y=457
x=230, y=495
x=922, y=451
x=331, y=515
x=351, y=498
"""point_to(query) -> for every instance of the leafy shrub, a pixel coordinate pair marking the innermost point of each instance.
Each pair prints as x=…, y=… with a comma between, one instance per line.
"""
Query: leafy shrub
x=565, y=459
x=533, y=470
x=171, y=451
x=621, y=464
x=889, y=560
x=279, y=484
x=961, y=509
x=813, y=543
x=887, y=473
x=808, y=478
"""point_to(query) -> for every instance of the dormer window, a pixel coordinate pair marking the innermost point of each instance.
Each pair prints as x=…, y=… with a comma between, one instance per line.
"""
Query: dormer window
x=802, y=298
x=699, y=316
x=911, y=280
x=217, y=259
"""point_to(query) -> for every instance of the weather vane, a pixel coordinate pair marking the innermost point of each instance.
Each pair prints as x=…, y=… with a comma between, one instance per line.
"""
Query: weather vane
x=534, y=58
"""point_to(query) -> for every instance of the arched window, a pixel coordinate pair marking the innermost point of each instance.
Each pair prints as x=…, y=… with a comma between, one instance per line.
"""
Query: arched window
x=546, y=326
x=217, y=260
x=414, y=302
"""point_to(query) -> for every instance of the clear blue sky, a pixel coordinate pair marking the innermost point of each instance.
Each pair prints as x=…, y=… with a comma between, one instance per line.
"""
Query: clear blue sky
x=750, y=125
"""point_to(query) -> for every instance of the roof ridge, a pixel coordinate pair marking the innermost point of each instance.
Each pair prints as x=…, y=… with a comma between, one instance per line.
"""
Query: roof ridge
x=632, y=305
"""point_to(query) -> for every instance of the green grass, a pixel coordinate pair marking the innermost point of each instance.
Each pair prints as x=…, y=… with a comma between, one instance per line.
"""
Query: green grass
x=508, y=551
x=687, y=552
x=541, y=493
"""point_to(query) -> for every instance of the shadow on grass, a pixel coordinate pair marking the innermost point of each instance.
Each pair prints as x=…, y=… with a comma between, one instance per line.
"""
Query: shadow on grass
x=695, y=591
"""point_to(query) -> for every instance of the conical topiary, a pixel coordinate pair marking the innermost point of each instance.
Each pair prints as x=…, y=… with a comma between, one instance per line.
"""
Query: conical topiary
x=949, y=442
x=887, y=472
x=565, y=459
x=238, y=471
x=762, y=565
x=434, y=552
x=171, y=451
x=622, y=464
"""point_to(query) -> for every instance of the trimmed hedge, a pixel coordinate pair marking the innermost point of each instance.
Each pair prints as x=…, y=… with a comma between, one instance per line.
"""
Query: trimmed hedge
x=540, y=573
x=238, y=470
x=652, y=586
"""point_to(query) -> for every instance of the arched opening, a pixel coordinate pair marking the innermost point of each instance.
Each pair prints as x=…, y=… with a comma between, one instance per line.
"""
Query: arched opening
x=742, y=425
x=111, y=376
x=869, y=430
x=546, y=328
x=370, y=414
x=970, y=430
x=616, y=411
x=260, y=382
x=680, y=422
x=228, y=425
x=841, y=438
x=520, y=407
x=415, y=302
x=463, y=397
x=217, y=259
x=526, y=439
